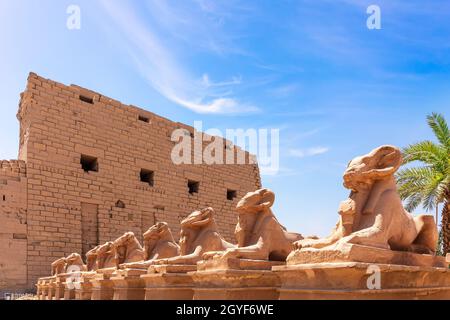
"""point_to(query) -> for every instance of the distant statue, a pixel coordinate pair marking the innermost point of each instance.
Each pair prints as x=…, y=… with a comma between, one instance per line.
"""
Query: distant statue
x=127, y=249
x=259, y=234
x=59, y=266
x=106, y=256
x=199, y=234
x=158, y=244
x=373, y=215
x=91, y=259
x=74, y=262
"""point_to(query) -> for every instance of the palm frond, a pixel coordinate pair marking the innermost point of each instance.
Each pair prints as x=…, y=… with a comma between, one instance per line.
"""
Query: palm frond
x=425, y=151
x=430, y=192
x=413, y=202
x=440, y=128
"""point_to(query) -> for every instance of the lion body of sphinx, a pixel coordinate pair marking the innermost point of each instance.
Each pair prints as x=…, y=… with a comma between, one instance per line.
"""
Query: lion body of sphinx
x=258, y=233
x=128, y=249
x=199, y=234
x=158, y=244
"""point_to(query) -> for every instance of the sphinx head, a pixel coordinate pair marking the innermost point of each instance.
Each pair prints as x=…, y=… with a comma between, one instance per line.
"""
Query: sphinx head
x=59, y=266
x=157, y=231
x=379, y=164
x=125, y=239
x=193, y=224
x=198, y=219
x=74, y=259
x=256, y=201
x=104, y=249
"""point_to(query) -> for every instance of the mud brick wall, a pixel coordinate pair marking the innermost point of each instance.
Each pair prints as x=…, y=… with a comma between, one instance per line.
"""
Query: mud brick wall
x=70, y=208
x=13, y=228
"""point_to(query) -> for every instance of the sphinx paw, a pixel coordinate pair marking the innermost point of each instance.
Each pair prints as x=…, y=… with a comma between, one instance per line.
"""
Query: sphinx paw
x=210, y=255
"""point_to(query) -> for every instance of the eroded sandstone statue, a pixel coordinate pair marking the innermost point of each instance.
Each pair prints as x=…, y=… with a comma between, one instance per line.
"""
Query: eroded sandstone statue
x=91, y=259
x=374, y=232
x=158, y=244
x=59, y=266
x=74, y=263
x=198, y=235
x=127, y=249
x=259, y=234
x=373, y=215
x=106, y=256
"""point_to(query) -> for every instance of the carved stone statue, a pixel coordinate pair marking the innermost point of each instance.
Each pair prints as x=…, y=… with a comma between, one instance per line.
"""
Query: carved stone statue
x=259, y=234
x=106, y=256
x=74, y=262
x=127, y=249
x=158, y=244
x=198, y=235
x=373, y=215
x=91, y=259
x=59, y=266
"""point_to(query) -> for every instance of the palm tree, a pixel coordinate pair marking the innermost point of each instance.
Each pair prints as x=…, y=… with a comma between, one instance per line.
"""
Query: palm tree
x=429, y=185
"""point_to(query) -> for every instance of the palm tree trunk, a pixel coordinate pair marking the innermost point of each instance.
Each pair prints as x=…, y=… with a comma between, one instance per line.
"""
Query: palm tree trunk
x=446, y=226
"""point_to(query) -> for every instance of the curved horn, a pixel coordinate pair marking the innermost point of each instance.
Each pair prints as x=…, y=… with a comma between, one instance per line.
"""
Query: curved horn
x=210, y=212
x=389, y=159
x=267, y=198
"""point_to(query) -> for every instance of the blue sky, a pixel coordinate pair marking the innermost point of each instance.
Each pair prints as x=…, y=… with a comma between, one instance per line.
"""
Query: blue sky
x=310, y=68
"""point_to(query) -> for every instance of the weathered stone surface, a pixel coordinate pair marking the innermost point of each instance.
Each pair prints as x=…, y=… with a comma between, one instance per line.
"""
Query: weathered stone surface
x=354, y=280
x=346, y=252
x=83, y=287
x=235, y=285
x=169, y=282
x=236, y=264
x=128, y=285
x=102, y=285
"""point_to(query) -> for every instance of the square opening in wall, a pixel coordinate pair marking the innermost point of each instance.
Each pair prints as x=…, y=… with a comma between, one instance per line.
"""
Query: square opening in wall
x=147, y=176
x=87, y=99
x=89, y=163
x=193, y=186
x=231, y=194
x=144, y=119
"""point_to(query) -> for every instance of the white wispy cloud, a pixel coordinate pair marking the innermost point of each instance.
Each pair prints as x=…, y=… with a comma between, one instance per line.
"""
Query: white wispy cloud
x=160, y=64
x=310, y=152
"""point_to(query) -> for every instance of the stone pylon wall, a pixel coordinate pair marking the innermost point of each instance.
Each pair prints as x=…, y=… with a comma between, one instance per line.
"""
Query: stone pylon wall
x=69, y=209
x=13, y=227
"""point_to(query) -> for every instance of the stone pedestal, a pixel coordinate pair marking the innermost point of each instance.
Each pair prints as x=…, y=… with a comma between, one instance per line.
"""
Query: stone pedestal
x=235, y=279
x=376, y=274
x=128, y=285
x=39, y=289
x=43, y=285
x=102, y=285
x=169, y=282
x=67, y=281
x=51, y=288
x=357, y=253
x=60, y=287
x=83, y=287
x=69, y=291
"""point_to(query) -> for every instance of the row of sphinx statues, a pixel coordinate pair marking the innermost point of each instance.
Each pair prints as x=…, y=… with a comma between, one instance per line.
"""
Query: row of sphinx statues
x=372, y=215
